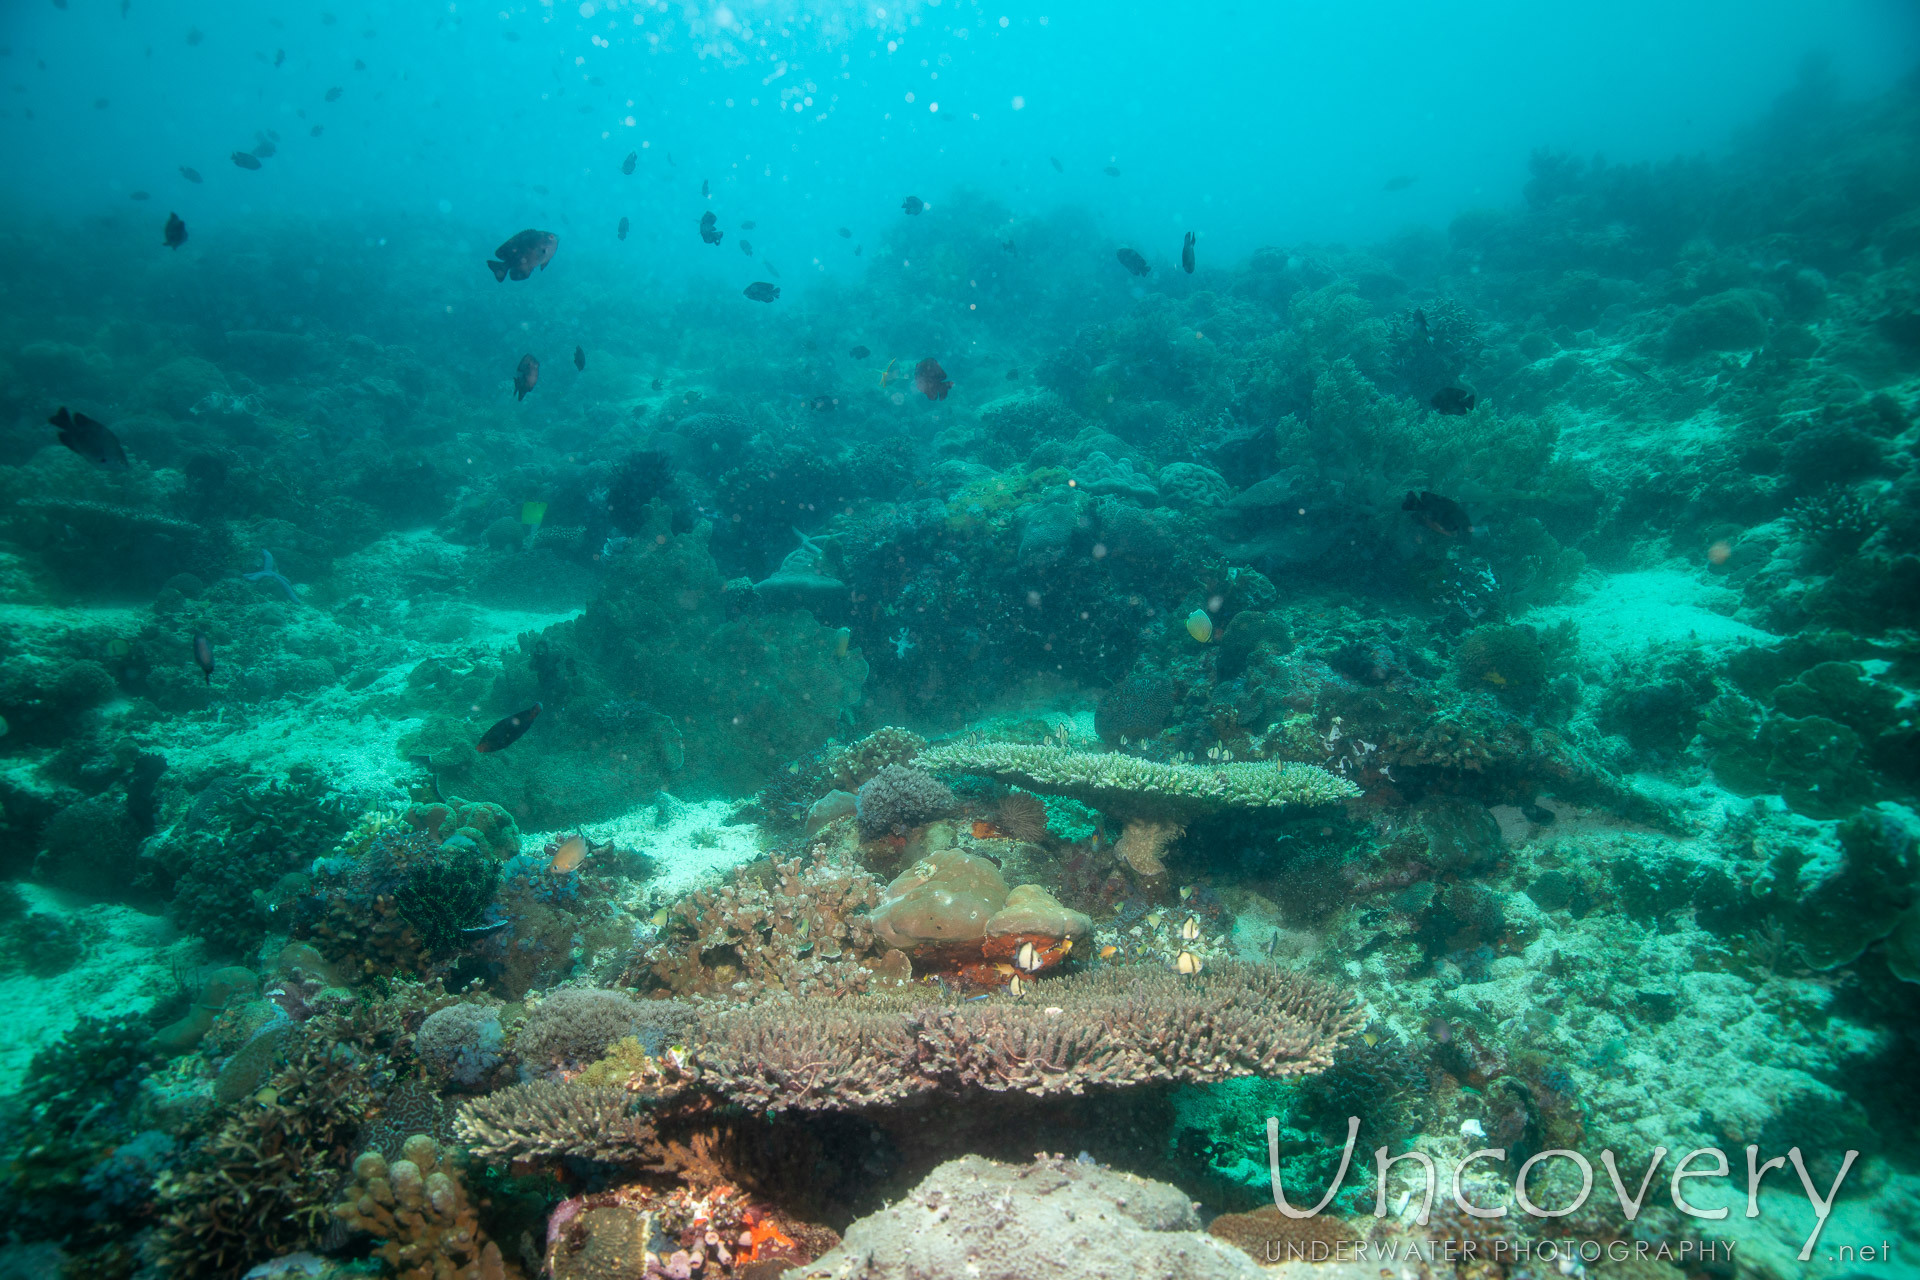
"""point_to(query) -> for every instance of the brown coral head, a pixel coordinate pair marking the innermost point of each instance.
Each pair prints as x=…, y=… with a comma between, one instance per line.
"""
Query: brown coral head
x=1143, y=845
x=1020, y=815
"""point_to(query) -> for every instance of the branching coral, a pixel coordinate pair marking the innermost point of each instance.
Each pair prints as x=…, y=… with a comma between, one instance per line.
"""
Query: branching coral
x=419, y=1211
x=1837, y=520
x=1112, y=1028
x=547, y=1118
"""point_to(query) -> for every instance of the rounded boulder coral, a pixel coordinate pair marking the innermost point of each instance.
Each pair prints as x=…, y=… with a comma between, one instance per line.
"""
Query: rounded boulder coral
x=462, y=1041
x=898, y=798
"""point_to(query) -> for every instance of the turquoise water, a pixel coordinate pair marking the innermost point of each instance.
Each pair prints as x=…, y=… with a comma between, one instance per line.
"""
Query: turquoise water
x=646, y=640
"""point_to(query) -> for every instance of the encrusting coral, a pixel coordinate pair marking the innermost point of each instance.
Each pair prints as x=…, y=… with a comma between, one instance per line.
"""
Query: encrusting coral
x=419, y=1210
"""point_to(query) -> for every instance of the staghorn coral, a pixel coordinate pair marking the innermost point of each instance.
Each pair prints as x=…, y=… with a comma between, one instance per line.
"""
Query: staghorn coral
x=260, y=1185
x=1141, y=788
x=897, y=798
x=547, y=1118
x=1115, y=1027
x=418, y=1209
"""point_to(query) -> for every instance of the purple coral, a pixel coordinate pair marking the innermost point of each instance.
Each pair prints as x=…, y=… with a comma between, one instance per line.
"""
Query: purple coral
x=462, y=1041
x=897, y=798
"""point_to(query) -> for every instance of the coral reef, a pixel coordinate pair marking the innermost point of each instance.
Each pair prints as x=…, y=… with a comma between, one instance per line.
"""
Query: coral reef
x=1128, y=783
x=896, y=798
x=419, y=1211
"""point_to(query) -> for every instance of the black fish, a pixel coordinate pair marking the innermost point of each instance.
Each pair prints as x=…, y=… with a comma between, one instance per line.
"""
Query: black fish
x=913, y=206
x=359, y=65
x=203, y=654
x=1057, y=166
x=822, y=404
x=265, y=150
x=705, y=191
x=1112, y=171
x=748, y=225
x=90, y=439
x=246, y=161
x=333, y=94
x=633, y=158
x=176, y=231
x=136, y=195
x=191, y=175
x=507, y=732
x=1454, y=401
x=622, y=233
x=518, y=257
x=761, y=291
x=580, y=359
x=746, y=247
x=859, y=353
x=1186, y=254
x=526, y=376
x=316, y=131
x=657, y=384
x=1442, y=515
x=1133, y=262
x=1400, y=182
x=857, y=248
x=279, y=57
x=845, y=234
x=709, y=228
x=1007, y=245
x=1013, y=375
x=770, y=267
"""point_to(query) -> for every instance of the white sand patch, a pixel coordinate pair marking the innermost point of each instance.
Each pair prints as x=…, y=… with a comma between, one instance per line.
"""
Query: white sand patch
x=354, y=750
x=1626, y=614
x=127, y=964
x=692, y=844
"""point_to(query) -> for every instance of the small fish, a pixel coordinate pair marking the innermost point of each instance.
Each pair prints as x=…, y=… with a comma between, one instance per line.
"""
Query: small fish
x=746, y=247
x=1153, y=919
x=195, y=36
x=710, y=228
x=857, y=249
x=333, y=94
x=279, y=57
x=91, y=440
x=571, y=853
x=845, y=234
x=822, y=403
x=137, y=195
x=580, y=359
x=1186, y=254
x=246, y=161
x=176, y=233
x=1133, y=262
x=191, y=175
x=913, y=205
x=1186, y=962
x=1454, y=401
x=525, y=377
x=859, y=353
x=203, y=654
x=1057, y=166
x=658, y=384
x=930, y=380
x=761, y=291
x=1186, y=891
x=1008, y=246
x=773, y=270
x=1420, y=323
x=633, y=158
x=520, y=256
x=265, y=148
x=1112, y=171
x=1065, y=948
x=1013, y=375
x=1109, y=951
x=748, y=225
x=1016, y=985
x=1028, y=958
x=1190, y=931
x=507, y=732
x=316, y=131
x=705, y=191
x=622, y=232
x=1442, y=515
x=1272, y=944
x=359, y=65
x=482, y=930
x=1400, y=182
